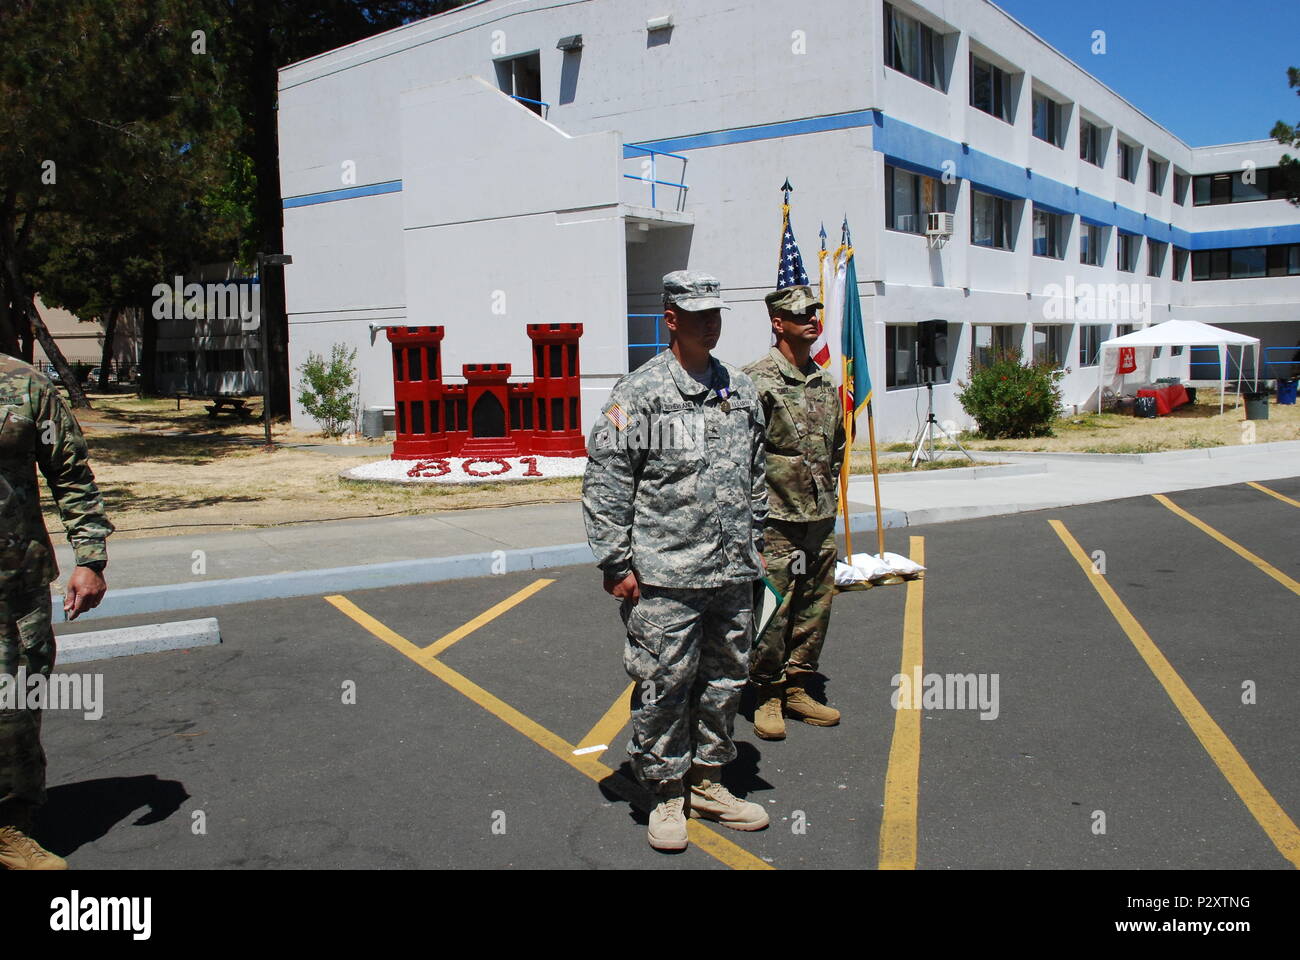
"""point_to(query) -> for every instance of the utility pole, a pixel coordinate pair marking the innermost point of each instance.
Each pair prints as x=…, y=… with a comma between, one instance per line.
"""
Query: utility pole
x=264, y=334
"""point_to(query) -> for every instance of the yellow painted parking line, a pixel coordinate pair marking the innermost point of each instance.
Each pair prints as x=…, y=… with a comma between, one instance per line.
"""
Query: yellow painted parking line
x=608, y=726
x=487, y=616
x=1232, y=545
x=1266, y=811
x=903, y=778
x=1273, y=493
x=717, y=846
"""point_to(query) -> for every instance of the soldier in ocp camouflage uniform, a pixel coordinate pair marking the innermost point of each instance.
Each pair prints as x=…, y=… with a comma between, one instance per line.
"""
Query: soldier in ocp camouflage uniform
x=805, y=450
x=674, y=498
x=38, y=429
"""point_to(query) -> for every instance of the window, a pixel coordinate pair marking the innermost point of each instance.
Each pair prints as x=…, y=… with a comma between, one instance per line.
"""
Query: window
x=1242, y=263
x=1246, y=262
x=1176, y=351
x=1128, y=161
x=1090, y=337
x=1180, y=188
x=1128, y=247
x=1047, y=120
x=1240, y=186
x=992, y=341
x=1049, y=344
x=1156, y=257
x=1049, y=233
x=1090, y=244
x=1278, y=257
x=913, y=48
x=1250, y=185
x=901, y=356
x=1089, y=142
x=990, y=224
x=521, y=78
x=1155, y=176
x=909, y=197
x=1180, y=263
x=990, y=88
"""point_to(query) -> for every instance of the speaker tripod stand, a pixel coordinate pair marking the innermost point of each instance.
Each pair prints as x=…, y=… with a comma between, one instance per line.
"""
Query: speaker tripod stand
x=924, y=448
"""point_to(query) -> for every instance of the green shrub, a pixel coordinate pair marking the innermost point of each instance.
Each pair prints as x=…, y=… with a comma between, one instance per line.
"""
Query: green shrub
x=1009, y=399
x=324, y=390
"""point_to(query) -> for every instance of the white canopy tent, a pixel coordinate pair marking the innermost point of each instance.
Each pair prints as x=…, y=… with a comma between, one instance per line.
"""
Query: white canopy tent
x=1179, y=333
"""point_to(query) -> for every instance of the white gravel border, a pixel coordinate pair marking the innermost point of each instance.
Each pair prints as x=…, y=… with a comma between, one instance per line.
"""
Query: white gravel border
x=396, y=471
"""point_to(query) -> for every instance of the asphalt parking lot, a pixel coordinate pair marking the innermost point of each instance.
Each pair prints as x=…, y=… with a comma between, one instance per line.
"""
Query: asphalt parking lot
x=1145, y=717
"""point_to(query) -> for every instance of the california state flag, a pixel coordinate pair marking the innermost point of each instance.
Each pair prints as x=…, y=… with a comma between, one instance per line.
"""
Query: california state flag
x=826, y=348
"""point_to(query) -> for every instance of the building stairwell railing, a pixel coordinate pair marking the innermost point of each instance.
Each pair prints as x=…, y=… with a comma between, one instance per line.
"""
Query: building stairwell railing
x=546, y=107
x=650, y=173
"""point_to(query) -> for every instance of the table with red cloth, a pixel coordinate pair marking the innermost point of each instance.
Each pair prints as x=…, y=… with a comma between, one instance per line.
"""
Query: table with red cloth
x=1168, y=398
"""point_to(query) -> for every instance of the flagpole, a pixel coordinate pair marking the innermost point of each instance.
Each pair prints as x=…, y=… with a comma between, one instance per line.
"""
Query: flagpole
x=875, y=481
x=845, y=465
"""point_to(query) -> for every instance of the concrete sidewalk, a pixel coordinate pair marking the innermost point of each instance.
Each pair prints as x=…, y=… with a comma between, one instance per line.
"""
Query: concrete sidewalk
x=212, y=569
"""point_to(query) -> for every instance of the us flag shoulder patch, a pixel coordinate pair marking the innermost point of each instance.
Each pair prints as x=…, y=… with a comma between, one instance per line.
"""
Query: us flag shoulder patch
x=617, y=416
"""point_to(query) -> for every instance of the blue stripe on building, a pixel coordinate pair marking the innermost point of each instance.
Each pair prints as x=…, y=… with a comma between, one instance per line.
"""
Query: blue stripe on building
x=920, y=151
x=347, y=193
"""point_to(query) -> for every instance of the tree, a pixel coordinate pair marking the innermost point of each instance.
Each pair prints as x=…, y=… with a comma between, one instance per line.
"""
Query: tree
x=325, y=388
x=91, y=168
x=264, y=37
x=1289, y=136
x=139, y=137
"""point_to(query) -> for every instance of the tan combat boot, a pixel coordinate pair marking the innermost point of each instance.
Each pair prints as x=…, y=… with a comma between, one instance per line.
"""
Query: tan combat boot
x=769, y=724
x=667, y=830
x=710, y=800
x=20, y=852
x=803, y=707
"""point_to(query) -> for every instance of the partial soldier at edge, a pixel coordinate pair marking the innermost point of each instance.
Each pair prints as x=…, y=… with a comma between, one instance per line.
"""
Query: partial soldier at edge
x=37, y=428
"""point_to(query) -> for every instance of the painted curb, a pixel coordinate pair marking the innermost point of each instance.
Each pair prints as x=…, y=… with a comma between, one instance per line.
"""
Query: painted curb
x=964, y=473
x=1199, y=453
x=216, y=593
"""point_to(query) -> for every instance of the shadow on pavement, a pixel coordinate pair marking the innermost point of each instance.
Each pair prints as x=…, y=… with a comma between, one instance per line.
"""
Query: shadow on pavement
x=79, y=813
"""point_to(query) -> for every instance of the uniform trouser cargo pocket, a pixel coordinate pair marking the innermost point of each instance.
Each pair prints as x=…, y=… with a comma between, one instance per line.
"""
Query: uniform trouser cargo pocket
x=26, y=643
x=687, y=650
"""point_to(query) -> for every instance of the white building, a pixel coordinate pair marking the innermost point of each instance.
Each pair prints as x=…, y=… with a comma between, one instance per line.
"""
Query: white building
x=418, y=190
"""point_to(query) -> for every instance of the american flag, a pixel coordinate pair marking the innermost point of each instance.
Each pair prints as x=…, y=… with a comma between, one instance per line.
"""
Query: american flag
x=789, y=271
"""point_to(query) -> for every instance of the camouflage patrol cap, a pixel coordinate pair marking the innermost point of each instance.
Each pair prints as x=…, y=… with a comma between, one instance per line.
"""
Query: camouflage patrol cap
x=797, y=300
x=692, y=290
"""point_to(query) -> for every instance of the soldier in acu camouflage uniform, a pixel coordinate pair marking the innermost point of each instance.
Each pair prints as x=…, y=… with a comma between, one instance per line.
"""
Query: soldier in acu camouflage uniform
x=805, y=449
x=37, y=428
x=674, y=499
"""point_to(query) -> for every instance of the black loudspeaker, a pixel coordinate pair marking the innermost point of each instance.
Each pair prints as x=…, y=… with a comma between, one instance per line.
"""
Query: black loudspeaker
x=933, y=338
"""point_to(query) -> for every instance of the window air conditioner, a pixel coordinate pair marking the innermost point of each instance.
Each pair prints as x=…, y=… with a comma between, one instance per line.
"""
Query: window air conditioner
x=938, y=225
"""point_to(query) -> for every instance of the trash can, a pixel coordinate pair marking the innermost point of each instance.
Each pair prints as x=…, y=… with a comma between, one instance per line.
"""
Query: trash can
x=1191, y=396
x=1256, y=405
x=1144, y=407
x=1286, y=391
x=372, y=422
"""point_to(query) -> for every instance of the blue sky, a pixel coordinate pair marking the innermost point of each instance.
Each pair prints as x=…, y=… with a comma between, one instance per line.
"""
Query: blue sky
x=1212, y=71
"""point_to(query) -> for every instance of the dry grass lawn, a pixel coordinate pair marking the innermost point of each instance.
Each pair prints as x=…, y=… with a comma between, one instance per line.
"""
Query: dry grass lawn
x=167, y=471
x=218, y=476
